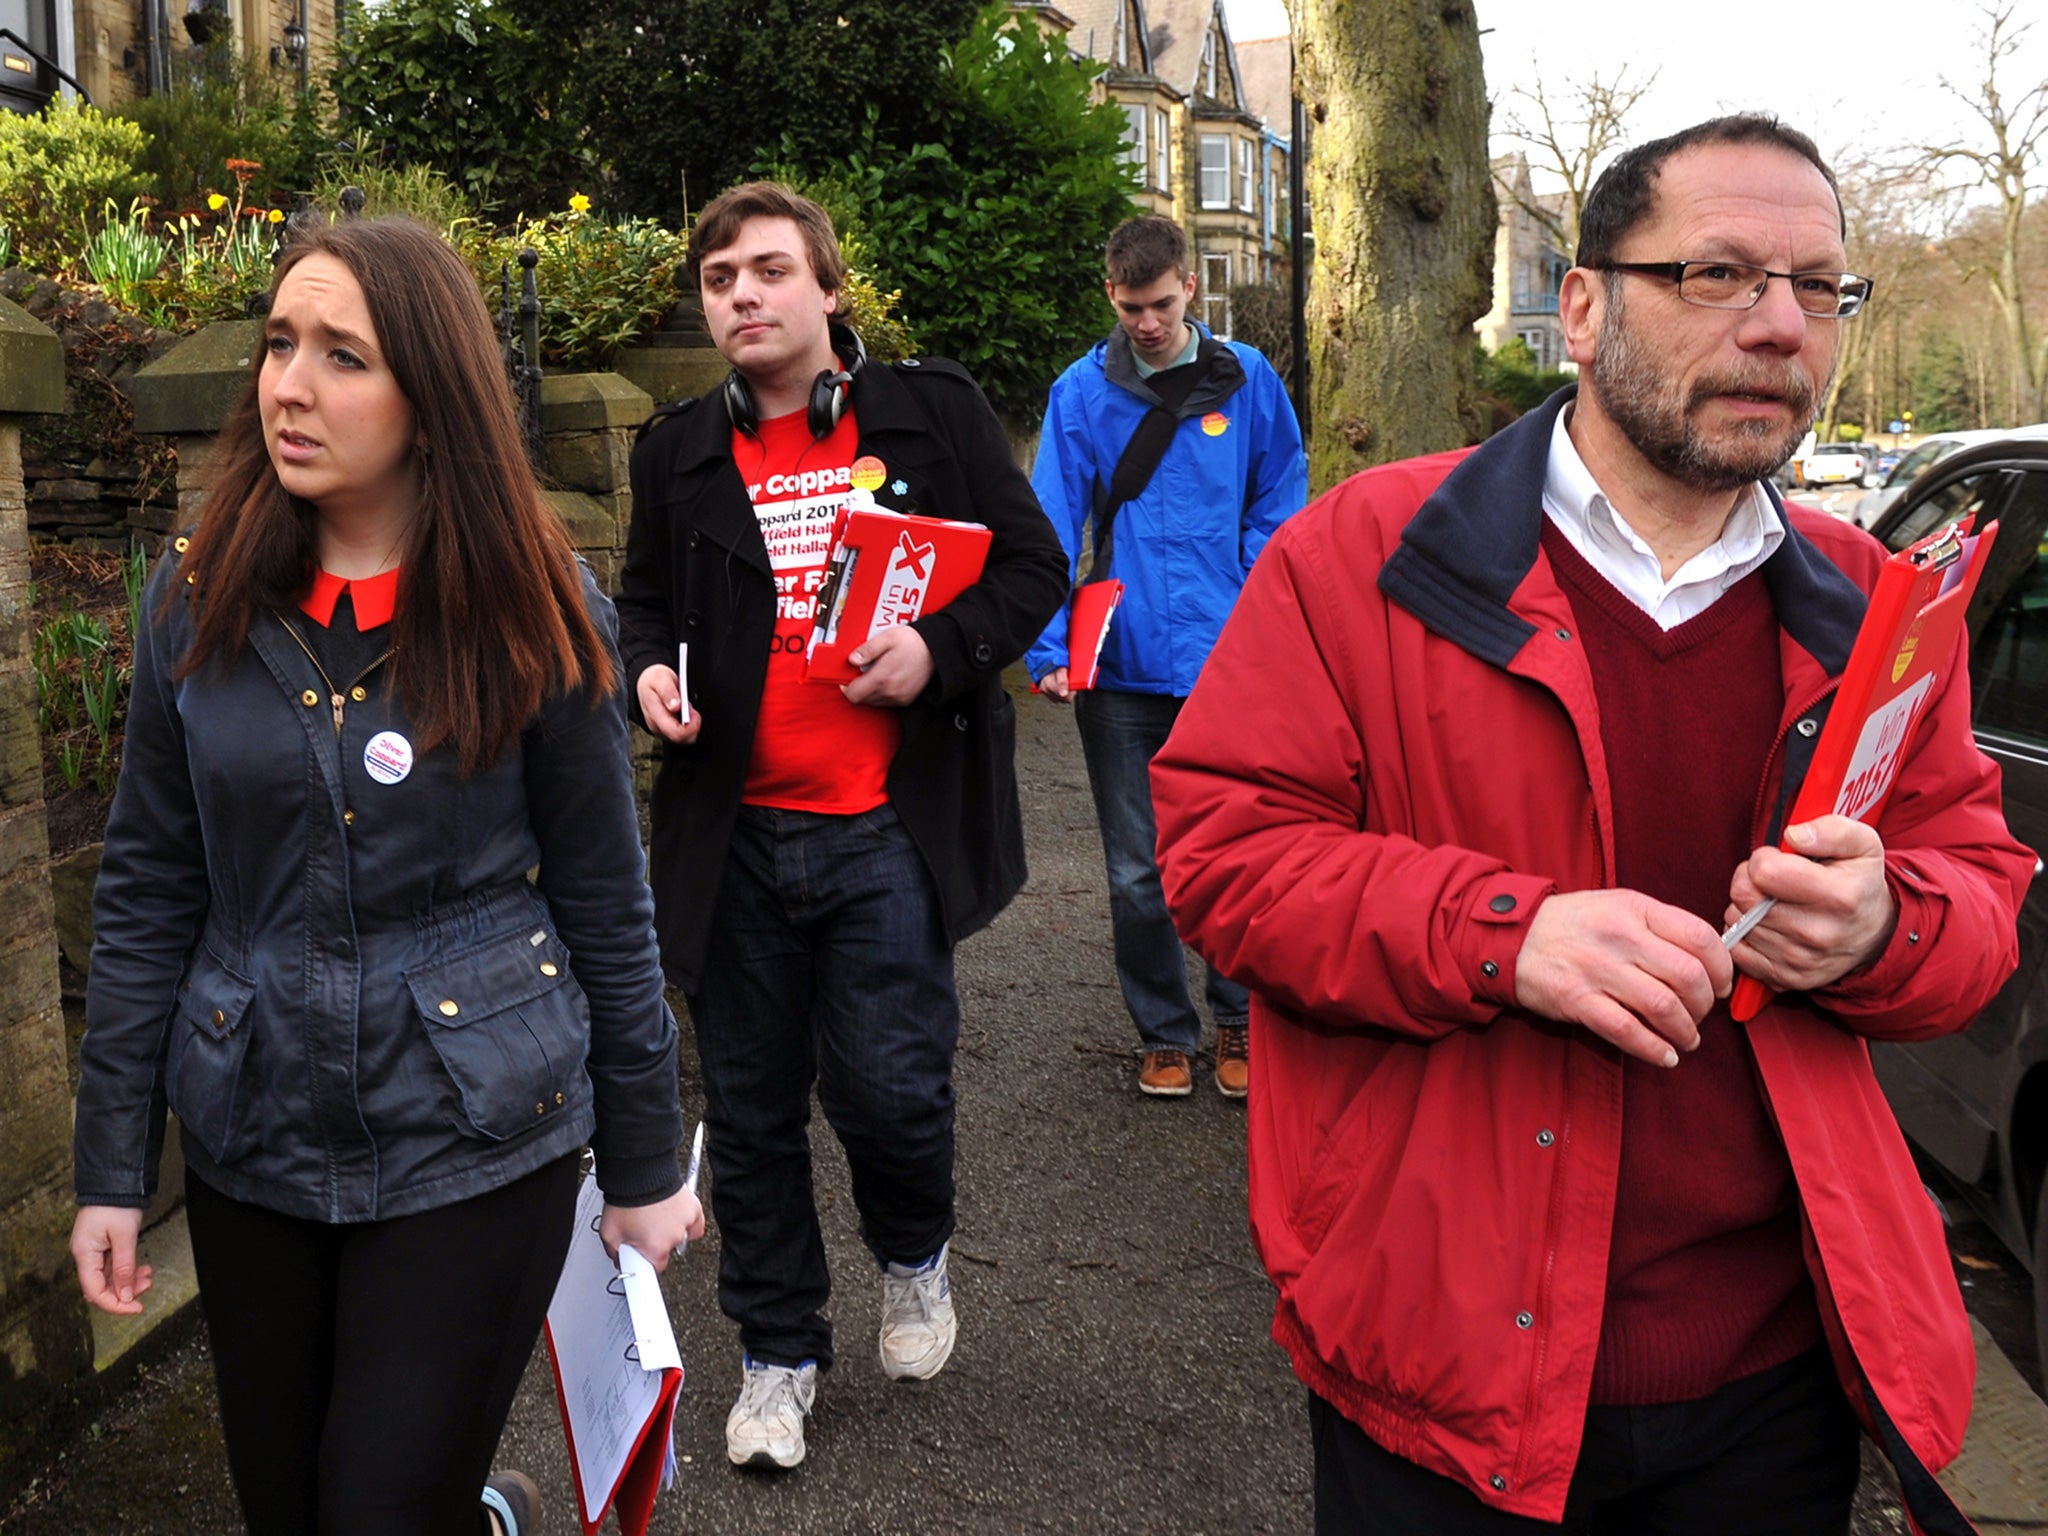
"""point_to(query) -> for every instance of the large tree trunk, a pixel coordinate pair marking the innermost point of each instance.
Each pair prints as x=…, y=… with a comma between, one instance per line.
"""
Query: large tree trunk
x=1403, y=212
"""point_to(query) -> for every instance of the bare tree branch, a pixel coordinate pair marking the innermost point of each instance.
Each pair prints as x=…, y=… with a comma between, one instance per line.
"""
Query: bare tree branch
x=1571, y=137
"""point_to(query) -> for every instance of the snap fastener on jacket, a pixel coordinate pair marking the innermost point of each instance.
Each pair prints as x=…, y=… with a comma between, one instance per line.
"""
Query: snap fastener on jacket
x=693, y=618
x=181, y=544
x=984, y=654
x=1564, y=634
x=1912, y=935
x=191, y=581
x=959, y=722
x=1524, y=1320
x=1545, y=1137
x=358, y=693
x=559, y=1099
x=548, y=968
x=309, y=698
x=1488, y=969
x=219, y=1017
x=693, y=538
x=1502, y=903
x=348, y=818
x=910, y=362
x=450, y=1007
x=1807, y=727
x=540, y=1109
x=1499, y=1483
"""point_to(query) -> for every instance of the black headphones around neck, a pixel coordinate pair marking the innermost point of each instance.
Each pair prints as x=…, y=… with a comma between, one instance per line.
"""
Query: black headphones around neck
x=829, y=391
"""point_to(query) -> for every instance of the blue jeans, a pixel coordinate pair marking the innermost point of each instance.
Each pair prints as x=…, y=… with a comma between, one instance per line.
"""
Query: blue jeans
x=828, y=965
x=1120, y=733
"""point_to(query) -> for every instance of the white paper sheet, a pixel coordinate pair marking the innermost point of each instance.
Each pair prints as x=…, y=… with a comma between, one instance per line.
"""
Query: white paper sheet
x=612, y=1340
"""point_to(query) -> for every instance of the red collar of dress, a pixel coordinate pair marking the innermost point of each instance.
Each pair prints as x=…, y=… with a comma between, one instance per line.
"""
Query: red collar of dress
x=374, y=597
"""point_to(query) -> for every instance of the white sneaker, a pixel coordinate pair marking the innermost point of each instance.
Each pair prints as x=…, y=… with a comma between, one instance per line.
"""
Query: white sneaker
x=918, y=1326
x=766, y=1425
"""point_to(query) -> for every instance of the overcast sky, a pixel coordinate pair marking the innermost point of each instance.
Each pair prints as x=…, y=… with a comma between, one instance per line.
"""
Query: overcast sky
x=1863, y=77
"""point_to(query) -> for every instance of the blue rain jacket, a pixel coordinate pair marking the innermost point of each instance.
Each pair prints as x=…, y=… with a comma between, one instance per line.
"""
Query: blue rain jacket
x=1233, y=473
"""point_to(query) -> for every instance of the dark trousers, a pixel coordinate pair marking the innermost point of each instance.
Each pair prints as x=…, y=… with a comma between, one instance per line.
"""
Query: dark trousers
x=1774, y=1454
x=827, y=965
x=366, y=1371
x=1120, y=735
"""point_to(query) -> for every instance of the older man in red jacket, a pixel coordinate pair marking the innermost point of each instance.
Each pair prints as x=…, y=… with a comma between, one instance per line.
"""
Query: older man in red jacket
x=1492, y=747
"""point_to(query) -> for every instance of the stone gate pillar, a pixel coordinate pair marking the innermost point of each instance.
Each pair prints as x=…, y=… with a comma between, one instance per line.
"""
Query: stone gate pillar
x=45, y=1337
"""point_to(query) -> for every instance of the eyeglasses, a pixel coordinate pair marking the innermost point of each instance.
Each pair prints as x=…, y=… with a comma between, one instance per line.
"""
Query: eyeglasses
x=1724, y=285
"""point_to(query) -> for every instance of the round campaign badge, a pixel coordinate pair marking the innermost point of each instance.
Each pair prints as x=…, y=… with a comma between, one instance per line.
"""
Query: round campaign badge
x=868, y=472
x=388, y=757
x=1215, y=423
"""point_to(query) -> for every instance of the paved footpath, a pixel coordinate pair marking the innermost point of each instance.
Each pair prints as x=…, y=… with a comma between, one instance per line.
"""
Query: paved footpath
x=1113, y=1372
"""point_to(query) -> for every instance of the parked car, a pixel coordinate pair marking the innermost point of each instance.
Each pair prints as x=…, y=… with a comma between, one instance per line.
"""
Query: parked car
x=1976, y=1103
x=1882, y=465
x=1924, y=454
x=1833, y=464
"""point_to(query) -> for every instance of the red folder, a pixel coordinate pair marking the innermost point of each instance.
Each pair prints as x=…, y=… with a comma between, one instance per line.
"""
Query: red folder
x=1908, y=634
x=617, y=1414
x=886, y=568
x=1095, y=604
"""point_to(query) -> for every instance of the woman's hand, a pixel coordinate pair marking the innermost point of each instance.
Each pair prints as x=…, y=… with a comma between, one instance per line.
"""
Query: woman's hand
x=103, y=1247
x=655, y=1231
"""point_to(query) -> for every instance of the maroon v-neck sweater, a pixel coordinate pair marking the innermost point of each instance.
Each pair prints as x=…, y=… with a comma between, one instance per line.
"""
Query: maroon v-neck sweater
x=1705, y=1279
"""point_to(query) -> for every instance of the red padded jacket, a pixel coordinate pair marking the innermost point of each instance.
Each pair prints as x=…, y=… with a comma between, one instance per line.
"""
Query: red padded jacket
x=1391, y=759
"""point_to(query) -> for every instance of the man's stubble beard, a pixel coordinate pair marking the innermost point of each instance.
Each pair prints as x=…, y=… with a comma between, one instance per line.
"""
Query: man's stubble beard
x=1652, y=414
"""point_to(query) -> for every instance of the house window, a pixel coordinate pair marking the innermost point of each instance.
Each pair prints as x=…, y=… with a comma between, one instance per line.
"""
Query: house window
x=1215, y=171
x=1136, y=150
x=1123, y=41
x=1244, y=175
x=1538, y=343
x=1209, y=62
x=1162, y=159
x=1216, y=292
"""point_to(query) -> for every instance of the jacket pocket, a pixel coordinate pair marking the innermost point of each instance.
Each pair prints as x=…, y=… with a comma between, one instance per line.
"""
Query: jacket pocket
x=209, y=1048
x=510, y=1026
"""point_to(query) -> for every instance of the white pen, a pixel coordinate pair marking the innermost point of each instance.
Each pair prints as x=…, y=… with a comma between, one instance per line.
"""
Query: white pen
x=690, y=1176
x=1737, y=930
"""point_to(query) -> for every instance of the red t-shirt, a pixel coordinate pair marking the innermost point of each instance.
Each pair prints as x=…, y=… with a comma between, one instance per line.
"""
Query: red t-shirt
x=813, y=751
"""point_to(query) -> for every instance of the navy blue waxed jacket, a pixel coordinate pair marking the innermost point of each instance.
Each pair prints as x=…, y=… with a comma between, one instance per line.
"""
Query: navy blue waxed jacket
x=340, y=976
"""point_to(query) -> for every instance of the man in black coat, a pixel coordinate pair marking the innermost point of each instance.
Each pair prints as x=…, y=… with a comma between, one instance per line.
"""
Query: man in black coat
x=818, y=850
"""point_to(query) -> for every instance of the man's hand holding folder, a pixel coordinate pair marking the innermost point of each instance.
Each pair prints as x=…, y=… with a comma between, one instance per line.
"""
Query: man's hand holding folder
x=1833, y=911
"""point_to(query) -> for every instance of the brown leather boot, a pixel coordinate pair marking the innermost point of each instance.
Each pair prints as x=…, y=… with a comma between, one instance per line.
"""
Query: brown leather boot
x=1233, y=1060
x=1166, y=1075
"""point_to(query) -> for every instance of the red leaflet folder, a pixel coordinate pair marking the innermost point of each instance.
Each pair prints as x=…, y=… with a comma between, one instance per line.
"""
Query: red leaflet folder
x=886, y=568
x=1908, y=634
x=617, y=1376
x=1095, y=604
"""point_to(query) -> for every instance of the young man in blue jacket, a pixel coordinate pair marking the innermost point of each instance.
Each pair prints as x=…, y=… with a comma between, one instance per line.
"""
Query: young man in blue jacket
x=1231, y=472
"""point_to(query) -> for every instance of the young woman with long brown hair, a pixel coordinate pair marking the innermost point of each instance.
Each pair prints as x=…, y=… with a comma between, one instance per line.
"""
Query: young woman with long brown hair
x=375, y=690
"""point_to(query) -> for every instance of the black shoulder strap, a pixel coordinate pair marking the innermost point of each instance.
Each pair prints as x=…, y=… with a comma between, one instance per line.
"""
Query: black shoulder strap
x=1134, y=470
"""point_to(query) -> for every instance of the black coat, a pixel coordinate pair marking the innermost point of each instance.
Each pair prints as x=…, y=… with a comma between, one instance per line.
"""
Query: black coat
x=697, y=572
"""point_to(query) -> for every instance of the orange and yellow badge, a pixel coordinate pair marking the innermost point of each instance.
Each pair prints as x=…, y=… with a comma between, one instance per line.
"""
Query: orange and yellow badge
x=1215, y=423
x=1905, y=657
x=867, y=472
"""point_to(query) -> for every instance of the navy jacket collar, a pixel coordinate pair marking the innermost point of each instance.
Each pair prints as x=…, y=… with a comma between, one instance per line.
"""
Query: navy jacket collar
x=1472, y=543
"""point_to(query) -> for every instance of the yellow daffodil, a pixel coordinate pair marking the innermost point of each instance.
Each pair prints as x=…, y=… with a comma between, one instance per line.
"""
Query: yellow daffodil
x=215, y=201
x=578, y=203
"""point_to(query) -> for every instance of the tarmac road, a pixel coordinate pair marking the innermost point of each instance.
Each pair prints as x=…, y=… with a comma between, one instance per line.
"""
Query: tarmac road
x=1113, y=1372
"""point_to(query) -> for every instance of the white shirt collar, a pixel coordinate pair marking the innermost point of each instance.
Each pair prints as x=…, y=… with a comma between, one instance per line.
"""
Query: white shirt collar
x=1574, y=502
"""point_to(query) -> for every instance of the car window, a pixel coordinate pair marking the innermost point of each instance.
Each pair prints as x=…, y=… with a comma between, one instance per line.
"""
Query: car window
x=2009, y=643
x=1964, y=497
x=1914, y=462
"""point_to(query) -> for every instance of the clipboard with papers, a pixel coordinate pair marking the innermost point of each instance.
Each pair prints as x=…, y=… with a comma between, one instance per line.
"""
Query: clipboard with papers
x=618, y=1375
x=1909, y=633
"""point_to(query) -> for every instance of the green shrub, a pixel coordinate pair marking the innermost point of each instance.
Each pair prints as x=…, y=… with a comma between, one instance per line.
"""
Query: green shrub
x=59, y=170
x=416, y=191
x=1512, y=374
x=602, y=284
x=1848, y=432
x=230, y=126
x=460, y=86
